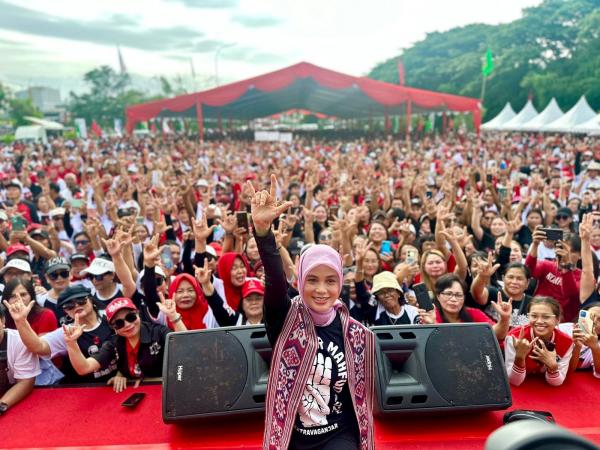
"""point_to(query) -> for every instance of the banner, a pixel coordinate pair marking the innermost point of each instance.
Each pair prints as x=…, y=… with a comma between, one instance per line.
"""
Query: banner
x=81, y=128
x=273, y=136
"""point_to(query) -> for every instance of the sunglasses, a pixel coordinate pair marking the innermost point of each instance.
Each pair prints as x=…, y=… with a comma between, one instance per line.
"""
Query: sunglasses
x=120, y=323
x=81, y=242
x=97, y=277
x=562, y=217
x=56, y=275
x=77, y=302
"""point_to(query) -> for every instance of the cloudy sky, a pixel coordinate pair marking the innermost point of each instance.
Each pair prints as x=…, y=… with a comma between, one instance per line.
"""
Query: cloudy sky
x=55, y=43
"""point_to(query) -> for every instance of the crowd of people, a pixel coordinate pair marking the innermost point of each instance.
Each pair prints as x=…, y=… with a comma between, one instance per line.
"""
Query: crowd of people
x=108, y=245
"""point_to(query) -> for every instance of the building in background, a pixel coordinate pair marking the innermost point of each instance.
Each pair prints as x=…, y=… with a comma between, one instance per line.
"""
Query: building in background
x=46, y=99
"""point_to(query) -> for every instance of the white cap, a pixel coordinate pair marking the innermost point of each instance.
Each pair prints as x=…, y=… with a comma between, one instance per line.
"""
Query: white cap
x=16, y=263
x=57, y=212
x=211, y=251
x=157, y=270
x=3, y=215
x=99, y=266
x=201, y=183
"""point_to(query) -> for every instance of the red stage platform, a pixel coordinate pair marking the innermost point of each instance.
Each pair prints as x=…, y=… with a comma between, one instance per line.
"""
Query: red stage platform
x=91, y=417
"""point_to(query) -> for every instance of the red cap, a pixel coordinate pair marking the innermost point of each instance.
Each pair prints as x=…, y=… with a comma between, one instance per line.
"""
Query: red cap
x=218, y=248
x=117, y=305
x=16, y=248
x=252, y=286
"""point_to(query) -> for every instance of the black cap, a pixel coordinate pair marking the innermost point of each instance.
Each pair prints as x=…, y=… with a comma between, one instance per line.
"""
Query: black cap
x=564, y=212
x=76, y=256
x=72, y=293
x=57, y=263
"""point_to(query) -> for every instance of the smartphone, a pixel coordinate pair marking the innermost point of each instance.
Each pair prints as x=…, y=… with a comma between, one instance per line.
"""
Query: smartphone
x=554, y=234
x=166, y=257
x=242, y=219
x=422, y=294
x=18, y=223
x=411, y=256
x=489, y=178
x=139, y=220
x=550, y=345
x=429, y=194
x=76, y=203
x=585, y=322
x=386, y=247
x=133, y=400
x=333, y=211
x=297, y=210
x=502, y=193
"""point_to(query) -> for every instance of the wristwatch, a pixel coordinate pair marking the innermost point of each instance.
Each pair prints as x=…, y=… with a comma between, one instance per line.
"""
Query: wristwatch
x=3, y=408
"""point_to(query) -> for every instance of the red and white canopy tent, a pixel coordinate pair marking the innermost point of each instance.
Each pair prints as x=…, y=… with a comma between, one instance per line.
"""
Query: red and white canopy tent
x=303, y=86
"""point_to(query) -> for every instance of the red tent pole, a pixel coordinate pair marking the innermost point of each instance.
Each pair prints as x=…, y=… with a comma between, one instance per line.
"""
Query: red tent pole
x=200, y=120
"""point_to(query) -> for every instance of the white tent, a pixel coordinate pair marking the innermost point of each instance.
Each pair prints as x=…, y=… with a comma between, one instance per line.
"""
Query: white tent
x=548, y=115
x=47, y=124
x=525, y=115
x=504, y=116
x=578, y=114
x=592, y=126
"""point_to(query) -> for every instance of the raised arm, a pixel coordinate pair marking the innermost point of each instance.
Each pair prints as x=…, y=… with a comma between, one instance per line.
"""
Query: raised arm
x=588, y=282
x=80, y=363
x=18, y=311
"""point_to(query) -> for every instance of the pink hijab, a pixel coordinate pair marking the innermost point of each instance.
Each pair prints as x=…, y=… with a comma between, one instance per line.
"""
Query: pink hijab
x=320, y=255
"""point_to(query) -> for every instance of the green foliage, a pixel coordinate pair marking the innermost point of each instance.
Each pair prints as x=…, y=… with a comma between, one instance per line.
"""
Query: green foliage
x=19, y=109
x=552, y=51
x=107, y=97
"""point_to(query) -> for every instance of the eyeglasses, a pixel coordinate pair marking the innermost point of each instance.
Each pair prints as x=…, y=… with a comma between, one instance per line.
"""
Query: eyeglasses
x=77, y=302
x=326, y=236
x=542, y=317
x=55, y=275
x=97, y=277
x=120, y=323
x=456, y=295
x=82, y=242
x=387, y=292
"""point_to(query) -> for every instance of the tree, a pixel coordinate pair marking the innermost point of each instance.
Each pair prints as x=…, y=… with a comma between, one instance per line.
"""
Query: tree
x=19, y=109
x=550, y=51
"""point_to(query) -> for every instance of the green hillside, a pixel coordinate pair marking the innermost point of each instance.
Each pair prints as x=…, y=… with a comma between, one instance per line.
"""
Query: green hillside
x=553, y=50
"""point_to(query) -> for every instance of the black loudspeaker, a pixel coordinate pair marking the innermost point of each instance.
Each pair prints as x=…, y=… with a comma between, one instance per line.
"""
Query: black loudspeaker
x=435, y=368
x=215, y=372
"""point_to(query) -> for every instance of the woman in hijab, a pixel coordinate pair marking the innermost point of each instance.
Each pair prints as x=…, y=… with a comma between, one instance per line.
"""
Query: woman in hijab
x=189, y=301
x=320, y=392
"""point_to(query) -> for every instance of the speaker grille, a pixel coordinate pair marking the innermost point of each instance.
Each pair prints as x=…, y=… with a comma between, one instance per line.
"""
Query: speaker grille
x=464, y=367
x=206, y=375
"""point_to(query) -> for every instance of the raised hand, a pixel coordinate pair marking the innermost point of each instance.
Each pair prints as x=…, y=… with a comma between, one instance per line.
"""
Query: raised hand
x=361, y=250
x=201, y=229
x=18, y=310
x=586, y=226
x=427, y=317
x=541, y=354
x=203, y=273
x=167, y=307
x=73, y=331
x=229, y=224
x=113, y=246
x=152, y=252
x=522, y=345
x=264, y=207
x=513, y=226
x=504, y=309
x=488, y=269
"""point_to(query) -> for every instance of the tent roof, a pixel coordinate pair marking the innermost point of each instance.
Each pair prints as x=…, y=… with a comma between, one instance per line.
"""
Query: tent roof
x=592, y=126
x=504, y=116
x=578, y=114
x=525, y=115
x=548, y=115
x=47, y=124
x=302, y=86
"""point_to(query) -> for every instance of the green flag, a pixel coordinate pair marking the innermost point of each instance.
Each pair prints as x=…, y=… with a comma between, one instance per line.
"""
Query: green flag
x=488, y=65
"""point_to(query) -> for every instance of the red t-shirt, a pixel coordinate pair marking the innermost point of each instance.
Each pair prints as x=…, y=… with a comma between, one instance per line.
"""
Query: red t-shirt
x=132, y=362
x=44, y=322
x=476, y=315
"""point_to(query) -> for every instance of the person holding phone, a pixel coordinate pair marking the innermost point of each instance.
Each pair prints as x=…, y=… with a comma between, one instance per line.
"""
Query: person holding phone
x=540, y=347
x=450, y=307
x=328, y=403
x=553, y=276
x=138, y=347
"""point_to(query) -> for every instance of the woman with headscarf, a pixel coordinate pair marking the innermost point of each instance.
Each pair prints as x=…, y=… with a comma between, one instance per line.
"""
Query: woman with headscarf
x=320, y=391
x=189, y=301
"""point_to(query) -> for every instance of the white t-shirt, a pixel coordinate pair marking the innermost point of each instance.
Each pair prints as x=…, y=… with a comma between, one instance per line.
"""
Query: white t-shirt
x=22, y=364
x=57, y=343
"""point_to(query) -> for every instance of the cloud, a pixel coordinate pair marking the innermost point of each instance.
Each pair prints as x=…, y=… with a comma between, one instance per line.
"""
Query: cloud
x=118, y=29
x=208, y=4
x=256, y=21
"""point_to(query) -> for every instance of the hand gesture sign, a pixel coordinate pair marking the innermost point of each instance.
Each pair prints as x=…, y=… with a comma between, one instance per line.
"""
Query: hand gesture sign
x=488, y=269
x=264, y=207
x=151, y=252
x=504, y=309
x=203, y=273
x=586, y=226
x=201, y=229
x=73, y=331
x=18, y=310
x=361, y=250
x=167, y=307
x=541, y=354
x=522, y=345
